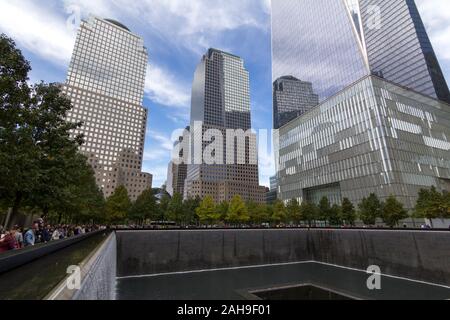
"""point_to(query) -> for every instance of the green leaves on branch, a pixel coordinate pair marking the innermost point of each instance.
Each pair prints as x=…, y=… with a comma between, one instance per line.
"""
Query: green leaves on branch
x=117, y=206
x=237, y=211
x=207, y=212
x=432, y=204
x=39, y=161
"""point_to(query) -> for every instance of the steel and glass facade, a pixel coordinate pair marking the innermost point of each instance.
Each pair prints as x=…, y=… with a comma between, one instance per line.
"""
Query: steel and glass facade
x=372, y=137
x=105, y=83
x=221, y=101
x=333, y=43
x=291, y=98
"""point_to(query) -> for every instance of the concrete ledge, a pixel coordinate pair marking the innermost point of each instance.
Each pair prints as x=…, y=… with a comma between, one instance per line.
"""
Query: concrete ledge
x=17, y=258
x=98, y=274
x=418, y=255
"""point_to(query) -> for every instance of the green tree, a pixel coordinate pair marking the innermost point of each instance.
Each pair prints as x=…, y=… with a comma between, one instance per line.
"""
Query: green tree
x=348, y=212
x=190, y=206
x=431, y=204
x=325, y=209
x=207, y=212
x=293, y=211
x=163, y=208
x=36, y=149
x=145, y=207
x=446, y=205
x=370, y=209
x=59, y=163
x=279, y=214
x=175, y=209
x=118, y=206
x=309, y=212
x=222, y=209
x=82, y=201
x=237, y=211
x=393, y=212
x=258, y=212
x=335, y=215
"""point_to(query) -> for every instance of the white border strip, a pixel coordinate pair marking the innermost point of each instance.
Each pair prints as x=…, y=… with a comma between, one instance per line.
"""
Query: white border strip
x=274, y=265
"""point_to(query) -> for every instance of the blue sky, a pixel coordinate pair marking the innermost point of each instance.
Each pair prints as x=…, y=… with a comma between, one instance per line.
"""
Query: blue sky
x=177, y=33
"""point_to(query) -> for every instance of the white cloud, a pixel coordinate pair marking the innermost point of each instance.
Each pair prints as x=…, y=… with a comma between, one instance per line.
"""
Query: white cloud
x=191, y=24
x=152, y=154
x=165, y=143
x=37, y=29
x=436, y=17
x=100, y=8
x=162, y=87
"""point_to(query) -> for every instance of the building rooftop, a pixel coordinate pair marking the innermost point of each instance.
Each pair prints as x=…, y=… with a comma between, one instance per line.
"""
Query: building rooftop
x=117, y=23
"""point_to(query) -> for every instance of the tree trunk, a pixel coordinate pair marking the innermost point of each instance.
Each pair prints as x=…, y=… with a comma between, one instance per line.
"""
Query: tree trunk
x=45, y=211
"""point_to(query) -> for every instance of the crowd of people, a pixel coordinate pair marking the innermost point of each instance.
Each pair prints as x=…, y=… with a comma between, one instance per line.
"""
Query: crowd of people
x=39, y=232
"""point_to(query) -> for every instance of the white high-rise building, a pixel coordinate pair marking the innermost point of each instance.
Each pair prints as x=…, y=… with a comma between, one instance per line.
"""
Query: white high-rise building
x=105, y=82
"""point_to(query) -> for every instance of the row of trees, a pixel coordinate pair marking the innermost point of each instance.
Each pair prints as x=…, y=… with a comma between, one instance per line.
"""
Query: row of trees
x=239, y=212
x=119, y=209
x=40, y=168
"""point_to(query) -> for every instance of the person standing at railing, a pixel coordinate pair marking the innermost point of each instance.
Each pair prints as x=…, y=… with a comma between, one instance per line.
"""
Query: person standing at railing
x=18, y=236
x=8, y=242
x=30, y=235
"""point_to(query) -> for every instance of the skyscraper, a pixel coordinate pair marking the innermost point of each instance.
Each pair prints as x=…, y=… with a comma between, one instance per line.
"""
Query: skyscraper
x=291, y=98
x=105, y=83
x=333, y=43
x=177, y=170
x=372, y=137
x=220, y=102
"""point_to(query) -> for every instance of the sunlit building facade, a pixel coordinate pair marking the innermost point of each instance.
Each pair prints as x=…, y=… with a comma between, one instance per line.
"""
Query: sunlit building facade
x=372, y=137
x=105, y=83
x=333, y=43
x=221, y=101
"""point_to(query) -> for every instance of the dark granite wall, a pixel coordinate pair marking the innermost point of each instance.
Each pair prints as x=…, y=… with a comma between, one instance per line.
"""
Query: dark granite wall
x=413, y=254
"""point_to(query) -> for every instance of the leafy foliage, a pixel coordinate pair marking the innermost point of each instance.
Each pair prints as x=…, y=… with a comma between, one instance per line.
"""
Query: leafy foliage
x=309, y=212
x=39, y=161
x=393, y=212
x=348, y=212
x=293, y=211
x=145, y=208
x=370, y=209
x=279, y=214
x=175, y=209
x=206, y=212
x=118, y=206
x=237, y=211
x=432, y=204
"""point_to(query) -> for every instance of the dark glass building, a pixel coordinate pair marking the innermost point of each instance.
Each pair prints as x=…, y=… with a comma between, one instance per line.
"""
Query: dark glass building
x=291, y=98
x=221, y=102
x=334, y=43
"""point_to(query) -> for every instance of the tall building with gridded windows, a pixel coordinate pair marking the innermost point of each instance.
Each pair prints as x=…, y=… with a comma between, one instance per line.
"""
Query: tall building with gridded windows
x=333, y=43
x=291, y=98
x=221, y=101
x=372, y=137
x=105, y=83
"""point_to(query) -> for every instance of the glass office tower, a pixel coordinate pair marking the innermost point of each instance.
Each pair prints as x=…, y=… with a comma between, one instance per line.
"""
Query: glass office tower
x=372, y=137
x=221, y=101
x=291, y=98
x=105, y=83
x=333, y=43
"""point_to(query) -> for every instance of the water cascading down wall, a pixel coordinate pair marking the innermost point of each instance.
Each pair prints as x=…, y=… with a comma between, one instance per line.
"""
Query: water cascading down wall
x=421, y=256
